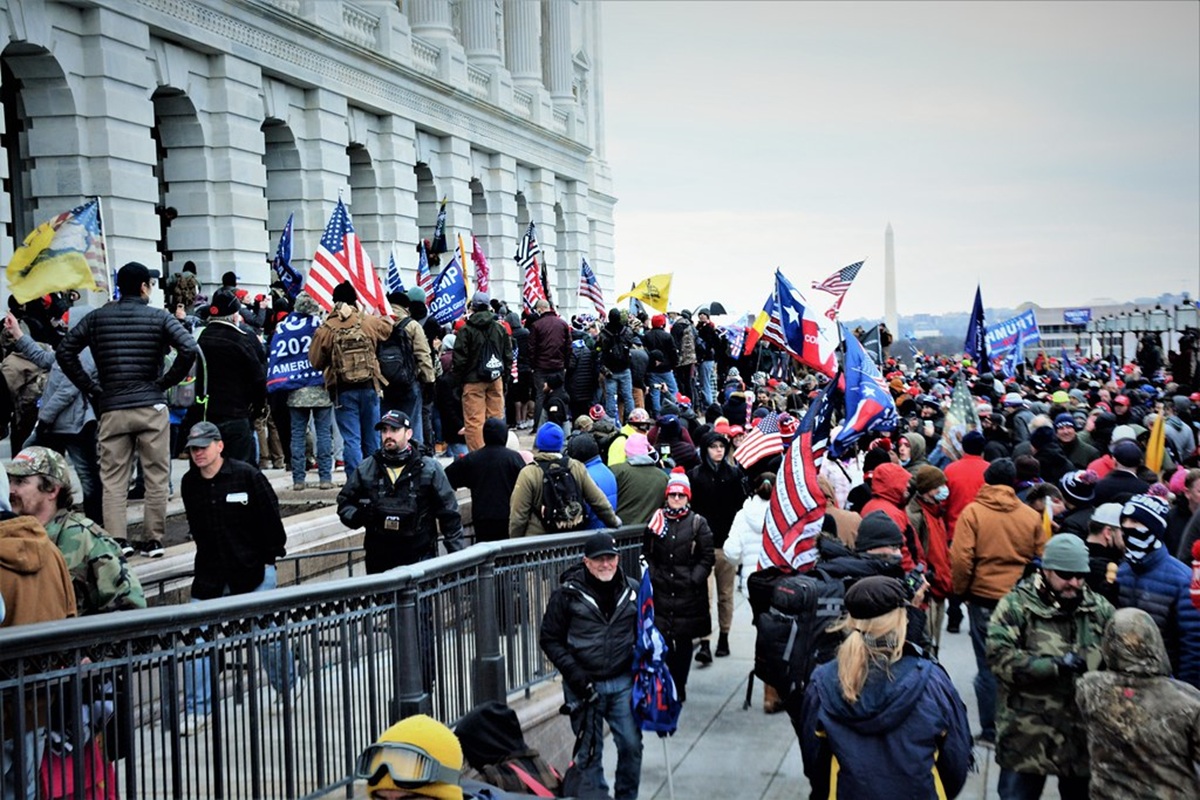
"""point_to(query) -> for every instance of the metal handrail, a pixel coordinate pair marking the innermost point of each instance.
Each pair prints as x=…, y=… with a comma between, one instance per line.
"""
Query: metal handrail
x=302, y=678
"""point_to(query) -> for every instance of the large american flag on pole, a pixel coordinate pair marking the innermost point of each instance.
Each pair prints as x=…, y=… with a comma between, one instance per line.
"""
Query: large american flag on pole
x=340, y=257
x=527, y=252
x=424, y=276
x=589, y=288
x=837, y=285
x=797, y=510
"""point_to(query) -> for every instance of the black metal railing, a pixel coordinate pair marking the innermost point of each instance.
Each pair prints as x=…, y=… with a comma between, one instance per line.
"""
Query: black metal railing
x=299, y=680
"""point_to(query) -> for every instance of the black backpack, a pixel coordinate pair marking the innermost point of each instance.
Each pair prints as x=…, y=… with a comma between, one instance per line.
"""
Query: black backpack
x=793, y=613
x=397, y=362
x=491, y=365
x=562, y=503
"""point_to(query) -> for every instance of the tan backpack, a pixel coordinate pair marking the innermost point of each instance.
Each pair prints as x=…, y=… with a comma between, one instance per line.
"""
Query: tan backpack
x=353, y=355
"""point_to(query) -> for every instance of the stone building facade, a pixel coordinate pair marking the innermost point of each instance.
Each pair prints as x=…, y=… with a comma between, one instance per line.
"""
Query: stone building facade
x=202, y=125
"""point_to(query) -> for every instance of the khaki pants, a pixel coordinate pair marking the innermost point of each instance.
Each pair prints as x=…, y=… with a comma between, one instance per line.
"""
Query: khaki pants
x=481, y=402
x=937, y=620
x=148, y=431
x=723, y=575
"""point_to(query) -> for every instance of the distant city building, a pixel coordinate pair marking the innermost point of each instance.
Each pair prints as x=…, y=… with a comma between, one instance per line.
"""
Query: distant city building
x=202, y=125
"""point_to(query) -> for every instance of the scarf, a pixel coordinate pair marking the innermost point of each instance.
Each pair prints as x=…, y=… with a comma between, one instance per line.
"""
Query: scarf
x=658, y=522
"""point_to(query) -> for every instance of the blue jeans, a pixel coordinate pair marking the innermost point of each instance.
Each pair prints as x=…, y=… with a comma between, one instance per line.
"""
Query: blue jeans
x=705, y=380
x=1027, y=786
x=32, y=749
x=618, y=381
x=357, y=412
x=615, y=703
x=654, y=395
x=985, y=681
x=410, y=402
x=323, y=421
x=197, y=676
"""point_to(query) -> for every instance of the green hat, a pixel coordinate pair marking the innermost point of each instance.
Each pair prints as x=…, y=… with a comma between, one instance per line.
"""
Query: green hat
x=40, y=461
x=1066, y=553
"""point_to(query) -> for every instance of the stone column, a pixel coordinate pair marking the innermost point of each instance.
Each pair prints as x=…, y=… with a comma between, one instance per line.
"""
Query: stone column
x=430, y=18
x=499, y=178
x=397, y=191
x=540, y=198
x=558, y=68
x=479, y=33
x=522, y=42
x=321, y=141
x=573, y=246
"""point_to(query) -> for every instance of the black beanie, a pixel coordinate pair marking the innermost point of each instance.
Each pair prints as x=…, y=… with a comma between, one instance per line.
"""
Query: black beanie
x=877, y=530
x=1041, y=437
x=973, y=443
x=875, y=458
x=875, y=596
x=582, y=447
x=1001, y=472
x=344, y=293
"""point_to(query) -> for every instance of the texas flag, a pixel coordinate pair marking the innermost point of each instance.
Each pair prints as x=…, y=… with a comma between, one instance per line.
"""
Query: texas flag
x=808, y=340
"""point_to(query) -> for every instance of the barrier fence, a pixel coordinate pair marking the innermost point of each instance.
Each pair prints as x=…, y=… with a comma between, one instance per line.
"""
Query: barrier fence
x=272, y=694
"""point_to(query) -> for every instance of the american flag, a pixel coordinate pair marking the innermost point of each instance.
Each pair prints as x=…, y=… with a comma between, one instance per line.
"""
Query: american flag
x=424, y=276
x=483, y=271
x=395, y=284
x=793, y=521
x=589, y=288
x=763, y=441
x=340, y=257
x=839, y=282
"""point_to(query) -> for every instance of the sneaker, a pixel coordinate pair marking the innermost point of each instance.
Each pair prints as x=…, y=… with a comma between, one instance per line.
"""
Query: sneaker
x=299, y=487
x=151, y=549
x=326, y=485
x=126, y=548
x=985, y=739
x=192, y=723
x=704, y=654
x=722, y=645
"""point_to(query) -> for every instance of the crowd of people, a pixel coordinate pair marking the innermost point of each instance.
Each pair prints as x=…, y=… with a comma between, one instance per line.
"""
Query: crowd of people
x=1031, y=507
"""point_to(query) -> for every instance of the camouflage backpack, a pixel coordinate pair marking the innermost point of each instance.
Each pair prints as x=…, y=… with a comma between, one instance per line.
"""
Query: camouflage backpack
x=353, y=354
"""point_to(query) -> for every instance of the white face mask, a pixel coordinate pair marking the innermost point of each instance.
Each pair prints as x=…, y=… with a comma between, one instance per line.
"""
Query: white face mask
x=941, y=493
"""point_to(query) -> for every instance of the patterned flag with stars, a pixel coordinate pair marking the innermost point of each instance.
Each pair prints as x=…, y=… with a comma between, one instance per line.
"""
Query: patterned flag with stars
x=589, y=287
x=961, y=417
x=809, y=340
x=424, y=276
x=340, y=257
x=869, y=404
x=837, y=285
x=763, y=441
x=797, y=509
x=394, y=282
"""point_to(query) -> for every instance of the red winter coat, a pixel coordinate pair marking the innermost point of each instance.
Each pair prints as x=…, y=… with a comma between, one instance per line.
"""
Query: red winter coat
x=889, y=490
x=964, y=478
x=929, y=522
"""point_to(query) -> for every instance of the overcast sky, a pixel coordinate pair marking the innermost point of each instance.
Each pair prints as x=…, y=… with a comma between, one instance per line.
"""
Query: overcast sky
x=1050, y=151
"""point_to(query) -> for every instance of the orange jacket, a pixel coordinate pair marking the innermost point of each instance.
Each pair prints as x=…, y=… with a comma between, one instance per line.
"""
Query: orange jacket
x=996, y=537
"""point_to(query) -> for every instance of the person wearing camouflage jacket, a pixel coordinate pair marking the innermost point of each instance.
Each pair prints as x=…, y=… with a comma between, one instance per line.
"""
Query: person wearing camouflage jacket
x=1042, y=635
x=40, y=486
x=1143, y=726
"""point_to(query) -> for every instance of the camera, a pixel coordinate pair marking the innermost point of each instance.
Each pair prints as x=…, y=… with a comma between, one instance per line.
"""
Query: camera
x=914, y=580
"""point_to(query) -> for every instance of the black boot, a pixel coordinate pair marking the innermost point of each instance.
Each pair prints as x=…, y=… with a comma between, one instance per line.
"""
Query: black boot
x=704, y=655
x=722, y=645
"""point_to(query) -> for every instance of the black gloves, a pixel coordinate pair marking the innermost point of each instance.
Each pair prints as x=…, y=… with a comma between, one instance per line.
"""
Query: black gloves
x=1071, y=664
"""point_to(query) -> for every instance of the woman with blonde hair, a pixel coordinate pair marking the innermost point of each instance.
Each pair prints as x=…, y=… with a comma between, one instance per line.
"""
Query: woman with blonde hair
x=882, y=721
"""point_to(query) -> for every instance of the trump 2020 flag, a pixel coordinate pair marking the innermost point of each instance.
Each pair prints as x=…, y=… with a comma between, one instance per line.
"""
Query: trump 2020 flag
x=282, y=262
x=809, y=340
x=449, y=299
x=395, y=284
x=656, y=704
x=65, y=253
x=869, y=404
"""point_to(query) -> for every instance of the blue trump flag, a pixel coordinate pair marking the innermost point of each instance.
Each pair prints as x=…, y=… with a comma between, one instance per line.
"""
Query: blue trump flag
x=869, y=404
x=976, y=345
x=282, y=263
x=449, y=294
x=656, y=704
x=395, y=284
x=288, y=366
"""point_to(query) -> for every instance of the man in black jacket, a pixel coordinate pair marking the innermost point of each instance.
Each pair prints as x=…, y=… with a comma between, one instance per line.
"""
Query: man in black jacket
x=490, y=473
x=234, y=517
x=549, y=352
x=482, y=359
x=402, y=498
x=235, y=375
x=588, y=632
x=128, y=339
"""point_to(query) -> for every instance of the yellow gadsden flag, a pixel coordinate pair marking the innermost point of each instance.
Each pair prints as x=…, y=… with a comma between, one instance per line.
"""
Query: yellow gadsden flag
x=652, y=291
x=65, y=253
x=1156, y=448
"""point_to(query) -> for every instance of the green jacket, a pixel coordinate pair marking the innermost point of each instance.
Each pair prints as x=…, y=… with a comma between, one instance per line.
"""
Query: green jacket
x=1038, y=727
x=99, y=574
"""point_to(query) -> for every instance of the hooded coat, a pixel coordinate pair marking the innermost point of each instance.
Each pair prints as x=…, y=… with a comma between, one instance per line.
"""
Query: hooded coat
x=917, y=459
x=482, y=329
x=641, y=484
x=1143, y=727
x=1160, y=585
x=524, y=518
x=889, y=494
x=718, y=490
x=907, y=736
x=489, y=472
x=995, y=537
x=34, y=579
x=679, y=563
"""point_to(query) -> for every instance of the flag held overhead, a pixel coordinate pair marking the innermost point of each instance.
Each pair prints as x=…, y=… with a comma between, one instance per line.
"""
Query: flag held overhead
x=653, y=291
x=65, y=253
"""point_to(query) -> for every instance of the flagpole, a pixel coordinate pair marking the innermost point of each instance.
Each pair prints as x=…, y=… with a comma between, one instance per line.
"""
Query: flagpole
x=108, y=277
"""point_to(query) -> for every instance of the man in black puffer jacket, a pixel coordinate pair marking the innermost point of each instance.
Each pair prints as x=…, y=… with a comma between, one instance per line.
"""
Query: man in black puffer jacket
x=588, y=632
x=235, y=376
x=128, y=339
